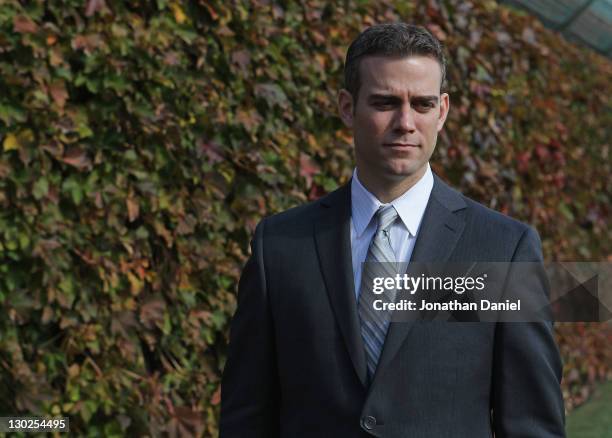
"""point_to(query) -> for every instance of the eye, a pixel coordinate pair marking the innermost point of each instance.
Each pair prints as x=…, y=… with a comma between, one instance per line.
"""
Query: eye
x=383, y=106
x=424, y=106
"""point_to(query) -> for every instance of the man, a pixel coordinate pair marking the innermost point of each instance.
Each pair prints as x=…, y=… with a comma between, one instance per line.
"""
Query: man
x=307, y=360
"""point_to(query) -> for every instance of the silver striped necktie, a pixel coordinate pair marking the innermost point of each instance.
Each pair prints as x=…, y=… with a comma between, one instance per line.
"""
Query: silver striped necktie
x=380, y=262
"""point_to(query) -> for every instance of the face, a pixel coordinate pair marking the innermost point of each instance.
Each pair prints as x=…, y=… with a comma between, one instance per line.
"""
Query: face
x=396, y=120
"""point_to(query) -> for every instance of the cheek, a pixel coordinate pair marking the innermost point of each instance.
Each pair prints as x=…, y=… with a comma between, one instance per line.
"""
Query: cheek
x=368, y=129
x=428, y=126
x=375, y=124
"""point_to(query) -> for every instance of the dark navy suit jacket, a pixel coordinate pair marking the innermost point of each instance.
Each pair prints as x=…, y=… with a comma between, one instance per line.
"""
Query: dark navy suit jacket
x=296, y=364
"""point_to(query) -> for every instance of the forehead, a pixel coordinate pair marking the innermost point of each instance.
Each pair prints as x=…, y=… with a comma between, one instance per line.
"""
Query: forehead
x=411, y=74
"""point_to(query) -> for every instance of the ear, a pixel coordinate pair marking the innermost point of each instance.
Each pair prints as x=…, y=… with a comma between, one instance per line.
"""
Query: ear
x=345, y=107
x=444, y=107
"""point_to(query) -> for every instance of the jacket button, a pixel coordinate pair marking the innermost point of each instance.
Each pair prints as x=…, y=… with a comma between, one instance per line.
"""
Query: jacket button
x=368, y=422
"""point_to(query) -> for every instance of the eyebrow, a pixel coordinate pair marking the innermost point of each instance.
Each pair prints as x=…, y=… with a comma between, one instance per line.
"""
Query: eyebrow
x=393, y=98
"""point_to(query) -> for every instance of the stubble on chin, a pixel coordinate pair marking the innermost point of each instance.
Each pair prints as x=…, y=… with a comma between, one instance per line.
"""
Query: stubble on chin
x=405, y=168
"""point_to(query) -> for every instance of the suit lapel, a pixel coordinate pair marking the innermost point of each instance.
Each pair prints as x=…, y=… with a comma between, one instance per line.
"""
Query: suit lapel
x=439, y=232
x=333, y=240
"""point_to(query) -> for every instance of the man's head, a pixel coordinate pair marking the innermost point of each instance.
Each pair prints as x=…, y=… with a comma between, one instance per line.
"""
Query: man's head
x=393, y=102
x=392, y=40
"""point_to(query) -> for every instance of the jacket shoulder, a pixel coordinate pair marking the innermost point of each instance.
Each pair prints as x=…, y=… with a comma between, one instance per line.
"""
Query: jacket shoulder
x=304, y=214
x=475, y=211
x=497, y=231
x=500, y=221
x=483, y=223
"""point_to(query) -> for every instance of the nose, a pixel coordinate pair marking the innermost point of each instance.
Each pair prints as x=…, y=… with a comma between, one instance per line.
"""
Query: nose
x=405, y=119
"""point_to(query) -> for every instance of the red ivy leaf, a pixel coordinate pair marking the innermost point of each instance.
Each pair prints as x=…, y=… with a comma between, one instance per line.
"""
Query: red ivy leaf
x=211, y=150
x=241, y=58
x=307, y=168
x=152, y=312
x=59, y=93
x=216, y=398
x=77, y=158
x=133, y=209
x=23, y=24
x=94, y=6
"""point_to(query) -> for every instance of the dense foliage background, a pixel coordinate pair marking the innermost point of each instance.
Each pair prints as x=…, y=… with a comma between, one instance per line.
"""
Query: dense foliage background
x=142, y=141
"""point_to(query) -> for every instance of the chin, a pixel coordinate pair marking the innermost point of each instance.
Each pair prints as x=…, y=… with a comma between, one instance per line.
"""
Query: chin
x=403, y=170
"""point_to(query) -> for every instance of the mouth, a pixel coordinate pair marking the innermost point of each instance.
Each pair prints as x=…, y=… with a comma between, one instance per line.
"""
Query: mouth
x=401, y=145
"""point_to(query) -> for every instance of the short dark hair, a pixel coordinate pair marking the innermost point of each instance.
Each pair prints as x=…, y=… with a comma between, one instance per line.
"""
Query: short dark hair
x=390, y=39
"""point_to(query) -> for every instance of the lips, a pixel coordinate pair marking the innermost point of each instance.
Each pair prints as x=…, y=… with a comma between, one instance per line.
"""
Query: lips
x=402, y=145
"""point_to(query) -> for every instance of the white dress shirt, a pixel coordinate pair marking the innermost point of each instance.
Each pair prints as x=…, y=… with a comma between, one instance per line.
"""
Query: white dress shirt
x=410, y=207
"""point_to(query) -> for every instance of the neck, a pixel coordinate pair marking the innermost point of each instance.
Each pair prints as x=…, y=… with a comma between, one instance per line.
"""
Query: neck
x=388, y=189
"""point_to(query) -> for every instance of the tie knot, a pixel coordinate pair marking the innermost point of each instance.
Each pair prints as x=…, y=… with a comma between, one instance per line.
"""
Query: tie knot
x=386, y=216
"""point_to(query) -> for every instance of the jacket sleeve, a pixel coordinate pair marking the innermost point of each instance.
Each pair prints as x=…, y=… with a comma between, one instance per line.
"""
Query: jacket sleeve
x=249, y=387
x=527, y=398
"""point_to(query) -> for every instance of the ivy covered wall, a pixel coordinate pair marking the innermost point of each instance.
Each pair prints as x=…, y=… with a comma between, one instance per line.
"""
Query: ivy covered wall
x=141, y=142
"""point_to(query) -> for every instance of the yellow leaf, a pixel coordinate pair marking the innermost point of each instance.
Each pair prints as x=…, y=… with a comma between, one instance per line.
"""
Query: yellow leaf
x=133, y=209
x=136, y=284
x=74, y=370
x=179, y=15
x=130, y=304
x=27, y=136
x=10, y=143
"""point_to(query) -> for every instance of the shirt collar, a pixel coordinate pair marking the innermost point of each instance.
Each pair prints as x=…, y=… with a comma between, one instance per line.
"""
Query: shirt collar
x=410, y=206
